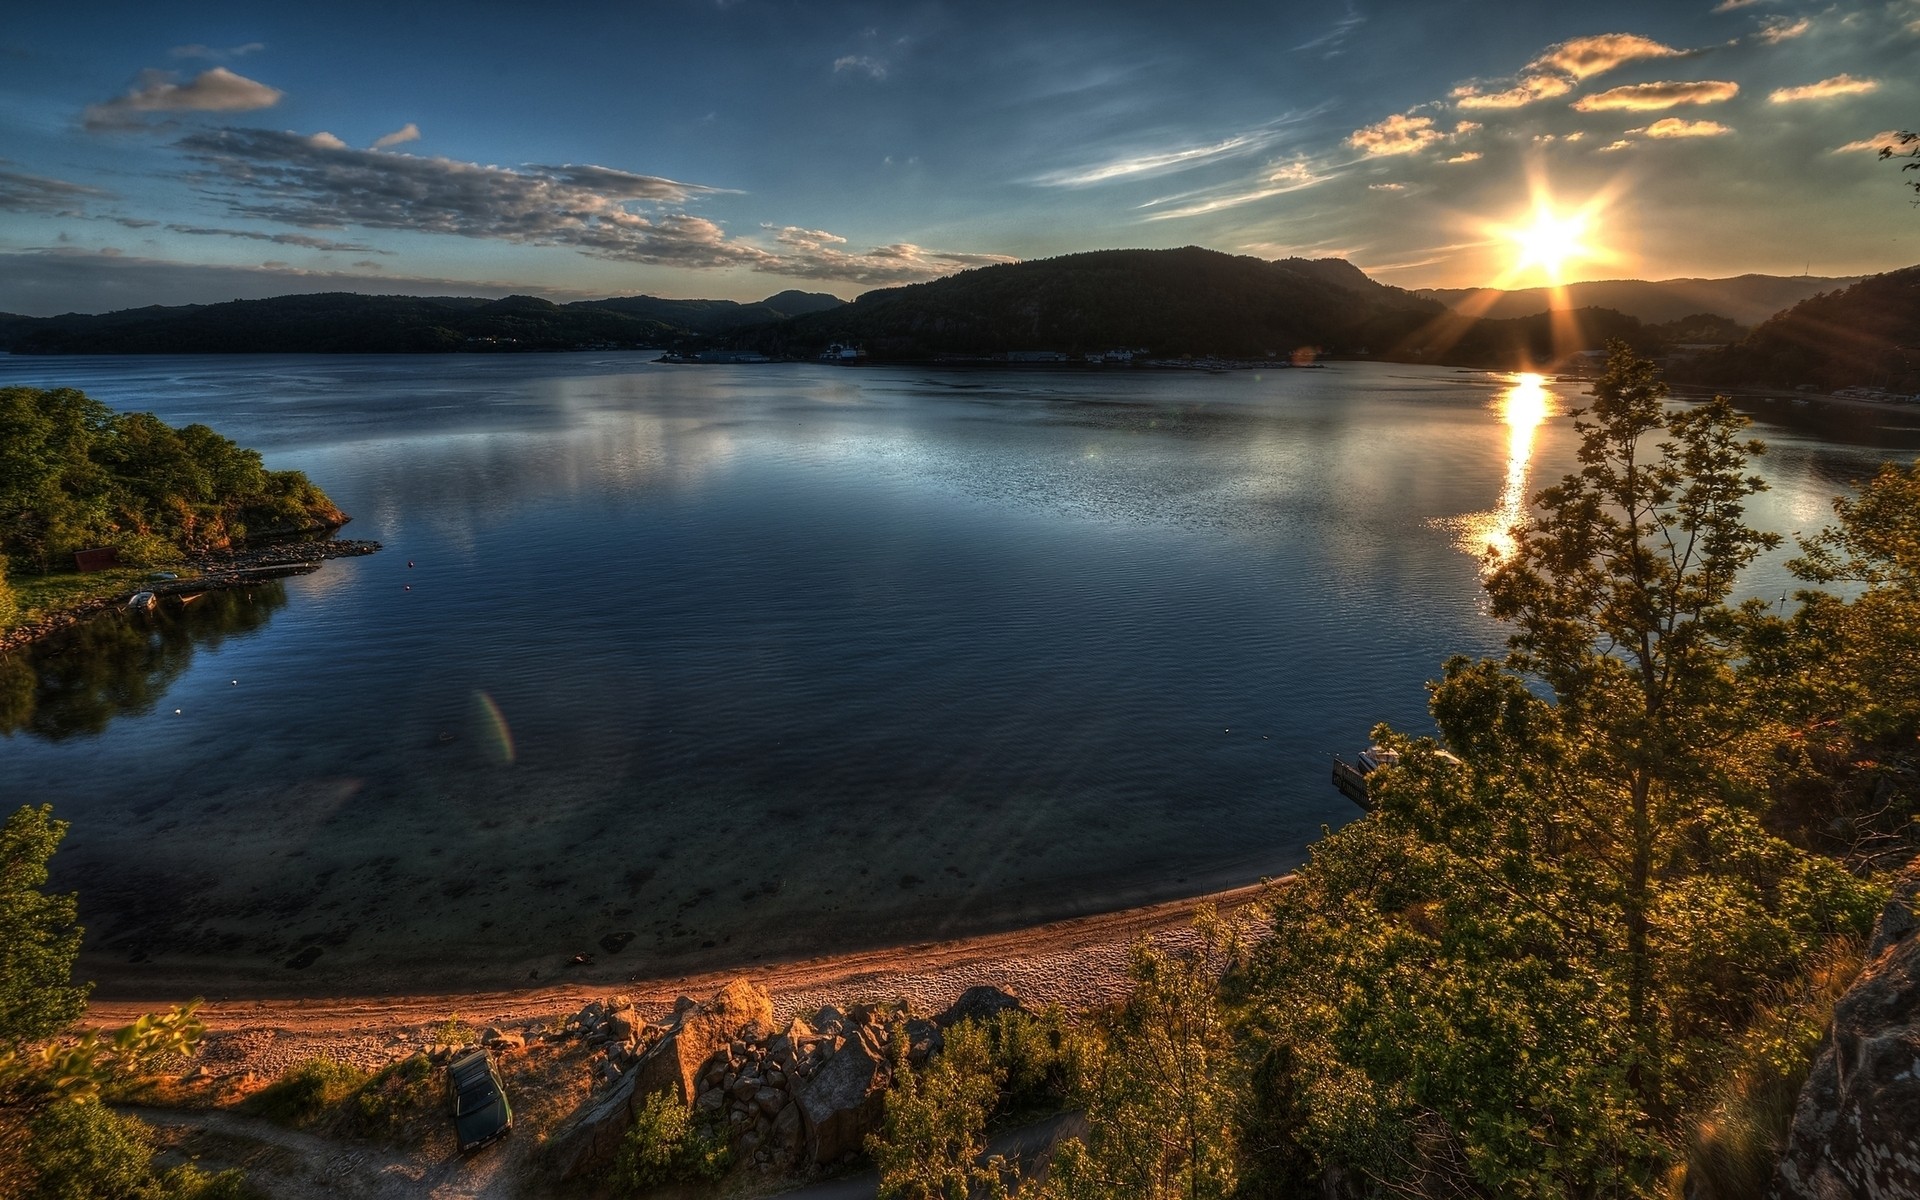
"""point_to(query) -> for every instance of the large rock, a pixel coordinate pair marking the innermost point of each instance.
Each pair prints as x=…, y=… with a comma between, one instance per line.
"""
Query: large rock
x=672, y=1064
x=980, y=1004
x=1856, y=1128
x=841, y=1104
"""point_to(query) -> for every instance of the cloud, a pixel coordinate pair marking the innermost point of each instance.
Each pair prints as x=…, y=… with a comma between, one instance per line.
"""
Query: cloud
x=1879, y=141
x=326, y=141
x=1145, y=164
x=1404, y=133
x=36, y=193
x=367, y=264
x=1469, y=156
x=1556, y=70
x=279, y=239
x=406, y=133
x=1333, y=42
x=1674, y=127
x=1780, y=29
x=816, y=254
x=1386, y=187
x=1524, y=92
x=1839, y=85
x=196, y=50
x=1620, y=144
x=296, y=180
x=1647, y=97
x=1730, y=5
x=1585, y=57
x=1294, y=176
x=872, y=68
x=214, y=90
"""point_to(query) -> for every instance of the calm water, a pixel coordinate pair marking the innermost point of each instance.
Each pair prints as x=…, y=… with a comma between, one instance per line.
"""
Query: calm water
x=692, y=666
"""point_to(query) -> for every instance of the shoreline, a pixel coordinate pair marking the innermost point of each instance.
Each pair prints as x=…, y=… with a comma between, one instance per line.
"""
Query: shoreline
x=219, y=571
x=1079, y=962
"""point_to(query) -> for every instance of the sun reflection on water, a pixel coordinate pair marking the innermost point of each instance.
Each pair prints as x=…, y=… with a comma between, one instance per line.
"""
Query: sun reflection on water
x=1524, y=407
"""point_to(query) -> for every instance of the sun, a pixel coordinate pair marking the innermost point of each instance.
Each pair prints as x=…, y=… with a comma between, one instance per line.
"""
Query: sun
x=1551, y=241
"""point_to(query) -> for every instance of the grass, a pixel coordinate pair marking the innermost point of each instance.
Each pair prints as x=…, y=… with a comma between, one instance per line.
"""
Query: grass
x=1733, y=1148
x=389, y=1107
x=40, y=596
x=306, y=1093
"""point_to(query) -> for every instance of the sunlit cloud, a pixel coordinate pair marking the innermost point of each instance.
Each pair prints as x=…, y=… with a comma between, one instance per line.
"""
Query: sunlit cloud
x=817, y=254
x=1525, y=91
x=1386, y=187
x=1642, y=97
x=1294, y=176
x=1404, y=133
x=326, y=141
x=1467, y=157
x=1839, y=85
x=1780, y=29
x=1674, y=127
x=1730, y=5
x=213, y=90
x=1586, y=57
x=1885, y=139
x=406, y=133
x=1619, y=144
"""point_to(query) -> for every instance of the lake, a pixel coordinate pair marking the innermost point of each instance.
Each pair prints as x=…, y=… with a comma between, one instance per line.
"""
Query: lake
x=687, y=667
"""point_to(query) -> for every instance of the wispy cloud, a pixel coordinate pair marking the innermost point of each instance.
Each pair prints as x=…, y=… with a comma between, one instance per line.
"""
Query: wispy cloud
x=1404, y=133
x=1730, y=5
x=1524, y=91
x=1556, y=70
x=36, y=193
x=213, y=90
x=1294, y=176
x=1645, y=97
x=214, y=53
x=861, y=64
x=1885, y=139
x=305, y=241
x=1333, y=41
x=1674, y=127
x=1775, y=30
x=406, y=133
x=1469, y=156
x=1839, y=85
x=1155, y=162
x=602, y=212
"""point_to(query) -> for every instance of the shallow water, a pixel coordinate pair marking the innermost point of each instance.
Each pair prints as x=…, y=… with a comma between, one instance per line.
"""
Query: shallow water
x=684, y=667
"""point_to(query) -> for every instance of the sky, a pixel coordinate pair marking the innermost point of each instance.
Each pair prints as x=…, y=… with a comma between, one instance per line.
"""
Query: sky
x=167, y=153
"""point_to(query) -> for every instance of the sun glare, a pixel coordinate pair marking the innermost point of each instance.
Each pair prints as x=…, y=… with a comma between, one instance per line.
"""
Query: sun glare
x=1551, y=241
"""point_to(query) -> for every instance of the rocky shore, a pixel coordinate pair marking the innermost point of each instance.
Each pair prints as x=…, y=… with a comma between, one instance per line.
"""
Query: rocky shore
x=215, y=570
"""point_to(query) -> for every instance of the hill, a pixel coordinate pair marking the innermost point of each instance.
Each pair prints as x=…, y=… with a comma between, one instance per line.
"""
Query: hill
x=1867, y=335
x=1189, y=301
x=1745, y=299
x=344, y=322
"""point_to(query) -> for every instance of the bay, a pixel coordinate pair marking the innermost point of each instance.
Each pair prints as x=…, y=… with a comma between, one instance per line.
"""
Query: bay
x=686, y=667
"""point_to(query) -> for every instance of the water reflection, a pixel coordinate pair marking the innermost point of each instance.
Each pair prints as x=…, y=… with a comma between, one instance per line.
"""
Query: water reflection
x=120, y=663
x=1524, y=407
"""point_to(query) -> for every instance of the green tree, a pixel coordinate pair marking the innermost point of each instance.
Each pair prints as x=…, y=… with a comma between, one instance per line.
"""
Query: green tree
x=39, y=935
x=932, y=1135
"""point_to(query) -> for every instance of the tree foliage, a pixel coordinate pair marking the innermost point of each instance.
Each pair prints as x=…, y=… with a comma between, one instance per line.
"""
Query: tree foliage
x=75, y=474
x=39, y=935
x=932, y=1135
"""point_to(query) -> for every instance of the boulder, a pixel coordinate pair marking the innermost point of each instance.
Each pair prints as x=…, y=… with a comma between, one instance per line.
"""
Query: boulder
x=982, y=1004
x=673, y=1064
x=841, y=1104
x=924, y=1040
x=1856, y=1128
x=790, y=1045
x=789, y=1137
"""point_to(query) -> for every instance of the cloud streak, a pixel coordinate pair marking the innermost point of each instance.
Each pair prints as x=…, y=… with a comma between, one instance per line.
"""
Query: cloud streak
x=406, y=133
x=305, y=241
x=1649, y=97
x=1155, y=163
x=214, y=90
x=1561, y=66
x=1826, y=89
x=20, y=192
x=1674, y=127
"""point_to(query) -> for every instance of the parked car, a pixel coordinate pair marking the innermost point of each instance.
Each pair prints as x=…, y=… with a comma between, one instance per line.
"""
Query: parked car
x=477, y=1101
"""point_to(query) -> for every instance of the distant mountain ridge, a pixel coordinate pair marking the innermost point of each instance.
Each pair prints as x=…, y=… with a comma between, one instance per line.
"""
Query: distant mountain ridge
x=1865, y=336
x=348, y=322
x=1744, y=299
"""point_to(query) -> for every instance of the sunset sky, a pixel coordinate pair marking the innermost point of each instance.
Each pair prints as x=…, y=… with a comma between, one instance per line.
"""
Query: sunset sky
x=164, y=153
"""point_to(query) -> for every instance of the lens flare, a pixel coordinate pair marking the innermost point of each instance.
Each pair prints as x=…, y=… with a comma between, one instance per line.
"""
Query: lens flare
x=494, y=723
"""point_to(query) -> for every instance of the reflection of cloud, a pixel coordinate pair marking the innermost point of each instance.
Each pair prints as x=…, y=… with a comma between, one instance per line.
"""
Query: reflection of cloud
x=1641, y=97
x=1839, y=85
x=215, y=90
x=406, y=133
x=1674, y=127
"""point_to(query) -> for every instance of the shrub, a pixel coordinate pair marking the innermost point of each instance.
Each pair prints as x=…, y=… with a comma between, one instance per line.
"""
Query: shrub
x=666, y=1144
x=147, y=550
x=305, y=1091
x=87, y=1151
x=397, y=1091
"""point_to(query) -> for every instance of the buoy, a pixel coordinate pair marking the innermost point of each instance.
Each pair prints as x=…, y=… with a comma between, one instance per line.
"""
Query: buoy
x=176, y=712
x=409, y=587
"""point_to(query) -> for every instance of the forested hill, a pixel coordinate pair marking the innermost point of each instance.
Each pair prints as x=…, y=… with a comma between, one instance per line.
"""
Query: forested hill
x=1867, y=335
x=1172, y=302
x=343, y=322
x=1743, y=299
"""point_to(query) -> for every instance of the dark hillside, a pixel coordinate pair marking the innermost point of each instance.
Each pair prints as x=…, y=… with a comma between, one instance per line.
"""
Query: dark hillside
x=1865, y=336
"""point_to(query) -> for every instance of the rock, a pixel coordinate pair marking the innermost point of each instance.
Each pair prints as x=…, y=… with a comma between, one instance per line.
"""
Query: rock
x=776, y=1078
x=756, y=1033
x=841, y=1104
x=982, y=1004
x=674, y=1064
x=620, y=1004
x=712, y=1100
x=770, y=1100
x=620, y=1026
x=745, y=1086
x=829, y=1020
x=923, y=1041
x=682, y=1004
x=789, y=1045
x=1856, y=1128
x=788, y=1135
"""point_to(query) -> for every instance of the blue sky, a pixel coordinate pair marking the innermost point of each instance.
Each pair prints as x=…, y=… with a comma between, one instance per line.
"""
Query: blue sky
x=167, y=153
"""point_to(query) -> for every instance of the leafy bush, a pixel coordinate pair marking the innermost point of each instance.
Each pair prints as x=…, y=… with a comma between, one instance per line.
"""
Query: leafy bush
x=667, y=1144
x=395, y=1093
x=147, y=550
x=87, y=1151
x=305, y=1092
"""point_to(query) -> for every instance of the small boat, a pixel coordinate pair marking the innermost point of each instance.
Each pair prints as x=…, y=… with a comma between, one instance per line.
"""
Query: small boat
x=142, y=601
x=1351, y=778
